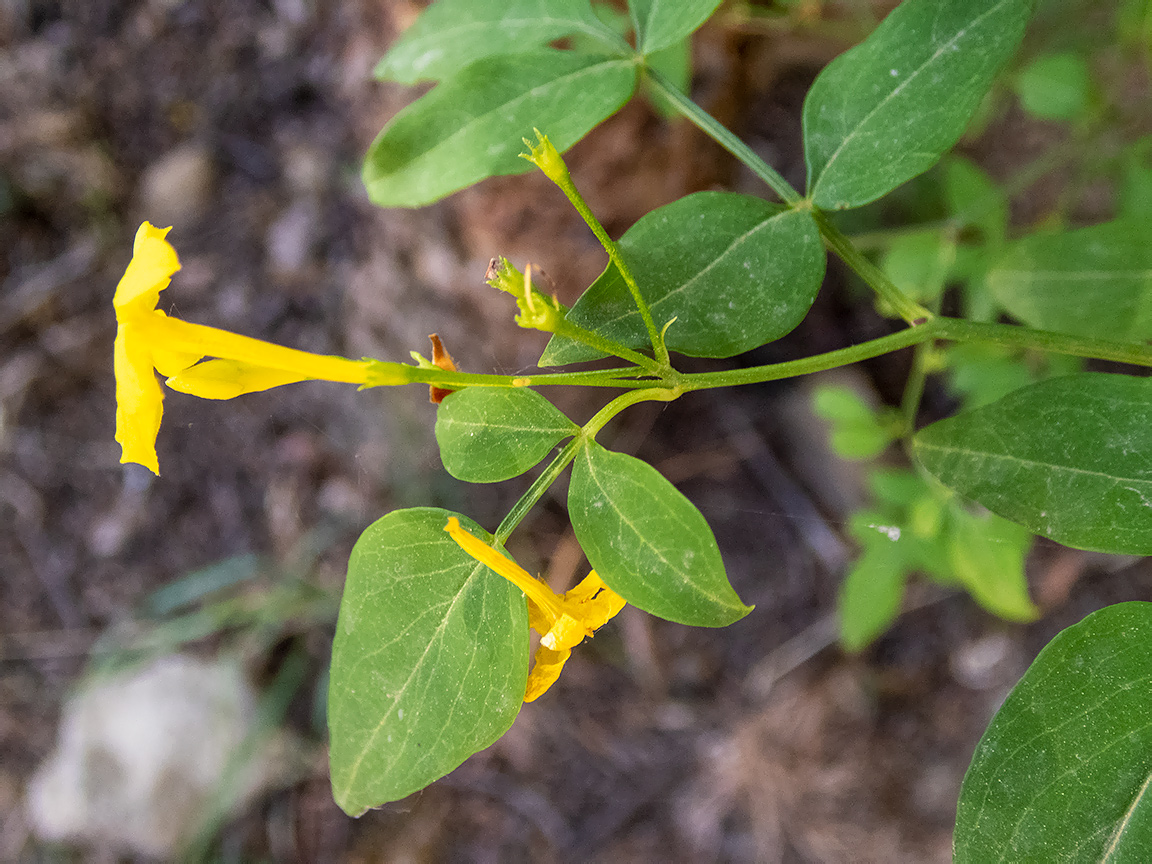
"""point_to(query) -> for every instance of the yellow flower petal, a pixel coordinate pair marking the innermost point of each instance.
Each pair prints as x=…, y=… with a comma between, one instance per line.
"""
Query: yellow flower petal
x=147, y=339
x=139, y=402
x=596, y=601
x=149, y=272
x=563, y=621
x=547, y=600
x=226, y=379
x=545, y=671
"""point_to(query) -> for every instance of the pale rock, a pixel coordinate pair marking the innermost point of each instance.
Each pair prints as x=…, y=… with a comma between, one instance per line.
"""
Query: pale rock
x=143, y=755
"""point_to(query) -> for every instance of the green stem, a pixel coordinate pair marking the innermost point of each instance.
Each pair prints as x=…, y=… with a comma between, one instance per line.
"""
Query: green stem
x=608, y=346
x=905, y=338
x=708, y=124
x=537, y=489
x=835, y=240
x=626, y=377
x=900, y=303
x=934, y=288
x=1011, y=335
x=940, y=327
x=564, y=457
x=564, y=181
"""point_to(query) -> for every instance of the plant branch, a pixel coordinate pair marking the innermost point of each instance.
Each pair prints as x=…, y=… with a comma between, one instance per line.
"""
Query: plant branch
x=564, y=457
x=708, y=124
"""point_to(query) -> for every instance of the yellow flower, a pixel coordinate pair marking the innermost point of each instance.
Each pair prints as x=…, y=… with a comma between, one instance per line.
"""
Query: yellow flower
x=147, y=339
x=561, y=621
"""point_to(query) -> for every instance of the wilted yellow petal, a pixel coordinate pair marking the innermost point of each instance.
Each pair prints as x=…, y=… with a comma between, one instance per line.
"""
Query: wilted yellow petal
x=547, y=600
x=596, y=601
x=545, y=671
x=226, y=379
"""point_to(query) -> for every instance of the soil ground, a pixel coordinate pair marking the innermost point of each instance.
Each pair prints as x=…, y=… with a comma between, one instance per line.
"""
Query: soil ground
x=242, y=124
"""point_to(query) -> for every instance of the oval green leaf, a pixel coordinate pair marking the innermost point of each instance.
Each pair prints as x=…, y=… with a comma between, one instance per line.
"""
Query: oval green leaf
x=888, y=109
x=1091, y=282
x=648, y=542
x=452, y=34
x=472, y=126
x=987, y=555
x=660, y=23
x=429, y=663
x=488, y=434
x=734, y=271
x=1064, y=772
x=870, y=597
x=1066, y=458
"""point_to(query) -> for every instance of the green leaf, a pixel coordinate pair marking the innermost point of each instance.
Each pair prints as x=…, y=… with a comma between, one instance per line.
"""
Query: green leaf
x=452, y=34
x=429, y=663
x=1066, y=458
x=1064, y=771
x=870, y=597
x=488, y=434
x=734, y=271
x=974, y=199
x=1054, y=87
x=1091, y=282
x=918, y=264
x=1135, y=191
x=982, y=374
x=675, y=64
x=660, y=23
x=857, y=432
x=472, y=126
x=987, y=555
x=648, y=542
x=888, y=109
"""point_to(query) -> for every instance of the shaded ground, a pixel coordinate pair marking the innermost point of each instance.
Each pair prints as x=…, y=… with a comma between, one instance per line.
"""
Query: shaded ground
x=242, y=124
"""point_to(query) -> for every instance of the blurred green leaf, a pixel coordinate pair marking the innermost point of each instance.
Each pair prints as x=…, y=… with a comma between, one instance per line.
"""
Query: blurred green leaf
x=973, y=198
x=429, y=663
x=982, y=374
x=675, y=64
x=648, y=542
x=889, y=108
x=1091, y=281
x=857, y=432
x=472, y=126
x=870, y=596
x=488, y=434
x=660, y=23
x=451, y=34
x=202, y=584
x=1136, y=192
x=987, y=556
x=1066, y=458
x=1055, y=87
x=916, y=263
x=747, y=275
x=1063, y=773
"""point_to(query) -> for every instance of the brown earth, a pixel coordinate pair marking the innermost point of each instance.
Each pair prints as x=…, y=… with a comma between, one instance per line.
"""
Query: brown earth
x=242, y=124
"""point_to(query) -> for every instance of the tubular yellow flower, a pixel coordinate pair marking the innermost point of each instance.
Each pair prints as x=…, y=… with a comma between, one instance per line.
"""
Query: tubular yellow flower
x=563, y=621
x=147, y=340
